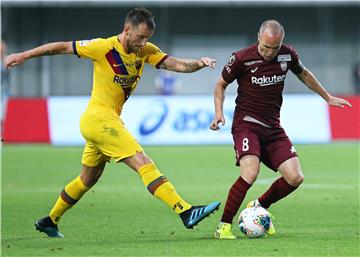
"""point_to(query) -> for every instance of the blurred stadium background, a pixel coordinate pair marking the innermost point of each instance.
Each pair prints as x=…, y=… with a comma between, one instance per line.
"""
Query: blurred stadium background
x=43, y=99
x=325, y=34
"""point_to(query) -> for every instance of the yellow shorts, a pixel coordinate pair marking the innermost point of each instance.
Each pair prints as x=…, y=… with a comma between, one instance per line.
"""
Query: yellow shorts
x=106, y=139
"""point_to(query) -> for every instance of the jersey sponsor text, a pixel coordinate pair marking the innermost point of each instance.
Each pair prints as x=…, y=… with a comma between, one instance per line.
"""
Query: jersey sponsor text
x=253, y=62
x=125, y=80
x=267, y=81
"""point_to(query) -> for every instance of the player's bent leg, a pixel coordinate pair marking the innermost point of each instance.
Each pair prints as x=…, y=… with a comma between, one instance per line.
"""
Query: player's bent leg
x=156, y=183
x=69, y=196
x=282, y=187
x=73, y=191
x=159, y=186
x=291, y=171
x=90, y=175
x=249, y=169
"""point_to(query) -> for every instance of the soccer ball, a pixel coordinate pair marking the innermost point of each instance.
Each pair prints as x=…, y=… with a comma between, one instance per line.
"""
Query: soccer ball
x=254, y=221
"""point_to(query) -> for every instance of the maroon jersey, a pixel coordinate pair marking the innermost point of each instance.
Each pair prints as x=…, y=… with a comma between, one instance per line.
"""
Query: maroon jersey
x=261, y=82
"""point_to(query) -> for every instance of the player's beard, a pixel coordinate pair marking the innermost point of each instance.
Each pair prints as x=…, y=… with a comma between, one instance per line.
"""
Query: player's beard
x=132, y=48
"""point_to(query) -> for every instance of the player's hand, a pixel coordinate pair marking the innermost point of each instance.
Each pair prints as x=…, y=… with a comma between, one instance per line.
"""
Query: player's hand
x=215, y=122
x=208, y=62
x=14, y=59
x=338, y=102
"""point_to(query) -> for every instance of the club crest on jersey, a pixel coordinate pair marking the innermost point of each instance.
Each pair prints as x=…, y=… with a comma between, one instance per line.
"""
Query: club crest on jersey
x=86, y=42
x=284, y=58
x=283, y=66
x=292, y=149
x=231, y=60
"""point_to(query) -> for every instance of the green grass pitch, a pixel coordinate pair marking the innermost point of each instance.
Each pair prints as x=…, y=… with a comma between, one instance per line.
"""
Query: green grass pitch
x=118, y=217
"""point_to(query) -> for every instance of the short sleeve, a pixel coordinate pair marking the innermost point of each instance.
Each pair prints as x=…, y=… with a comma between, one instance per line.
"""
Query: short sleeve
x=92, y=49
x=153, y=55
x=231, y=70
x=296, y=66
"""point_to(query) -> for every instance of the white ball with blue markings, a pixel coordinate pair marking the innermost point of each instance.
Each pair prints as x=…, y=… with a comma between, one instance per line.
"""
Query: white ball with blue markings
x=254, y=222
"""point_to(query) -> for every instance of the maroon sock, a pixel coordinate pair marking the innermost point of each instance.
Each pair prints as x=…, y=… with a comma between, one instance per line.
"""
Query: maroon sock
x=236, y=195
x=278, y=190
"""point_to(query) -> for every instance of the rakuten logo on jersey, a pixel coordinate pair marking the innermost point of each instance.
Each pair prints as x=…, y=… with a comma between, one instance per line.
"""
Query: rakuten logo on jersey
x=267, y=81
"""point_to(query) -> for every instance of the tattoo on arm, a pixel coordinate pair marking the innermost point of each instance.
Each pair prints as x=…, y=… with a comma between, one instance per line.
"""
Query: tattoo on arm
x=51, y=52
x=50, y=49
x=191, y=65
x=181, y=65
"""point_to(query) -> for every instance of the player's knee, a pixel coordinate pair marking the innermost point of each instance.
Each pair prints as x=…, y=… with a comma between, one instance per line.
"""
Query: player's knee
x=249, y=168
x=137, y=161
x=249, y=175
x=296, y=180
x=146, y=159
x=89, y=181
x=90, y=175
x=300, y=179
x=142, y=159
x=92, y=181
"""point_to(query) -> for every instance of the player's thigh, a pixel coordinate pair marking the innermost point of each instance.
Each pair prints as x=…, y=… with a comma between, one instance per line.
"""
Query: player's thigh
x=277, y=149
x=246, y=142
x=117, y=142
x=92, y=156
x=247, y=150
x=105, y=140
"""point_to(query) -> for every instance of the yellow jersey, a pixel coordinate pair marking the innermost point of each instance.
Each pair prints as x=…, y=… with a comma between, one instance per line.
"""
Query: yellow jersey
x=116, y=73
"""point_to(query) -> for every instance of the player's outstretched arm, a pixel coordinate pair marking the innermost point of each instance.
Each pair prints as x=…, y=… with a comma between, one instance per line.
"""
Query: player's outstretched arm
x=310, y=80
x=219, y=98
x=48, y=49
x=187, y=65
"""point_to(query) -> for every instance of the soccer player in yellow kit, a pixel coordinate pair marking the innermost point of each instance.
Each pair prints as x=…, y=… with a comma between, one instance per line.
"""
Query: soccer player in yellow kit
x=118, y=64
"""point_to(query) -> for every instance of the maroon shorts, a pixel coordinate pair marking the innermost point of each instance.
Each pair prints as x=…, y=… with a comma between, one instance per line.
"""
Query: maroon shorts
x=271, y=145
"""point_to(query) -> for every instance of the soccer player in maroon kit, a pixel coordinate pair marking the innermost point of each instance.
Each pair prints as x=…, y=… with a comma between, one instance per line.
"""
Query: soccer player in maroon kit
x=260, y=71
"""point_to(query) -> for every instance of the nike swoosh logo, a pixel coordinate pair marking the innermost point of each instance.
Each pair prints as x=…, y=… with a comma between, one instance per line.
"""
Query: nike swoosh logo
x=117, y=65
x=255, y=69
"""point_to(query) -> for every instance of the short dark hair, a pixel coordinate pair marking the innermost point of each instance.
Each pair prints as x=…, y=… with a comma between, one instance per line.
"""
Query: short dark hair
x=140, y=15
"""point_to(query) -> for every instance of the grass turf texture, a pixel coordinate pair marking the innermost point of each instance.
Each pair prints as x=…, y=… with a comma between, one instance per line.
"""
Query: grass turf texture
x=118, y=217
